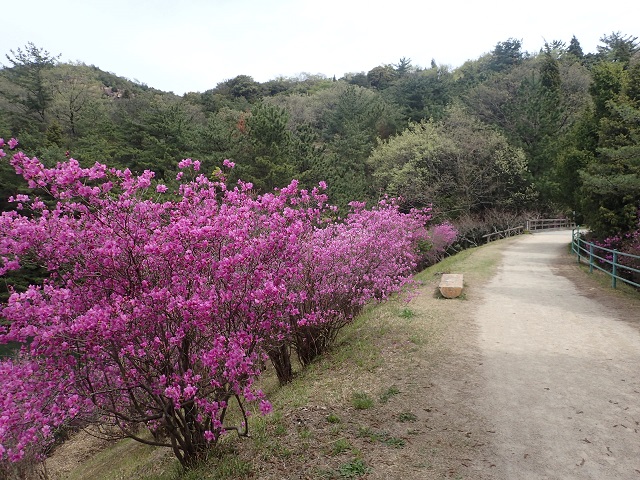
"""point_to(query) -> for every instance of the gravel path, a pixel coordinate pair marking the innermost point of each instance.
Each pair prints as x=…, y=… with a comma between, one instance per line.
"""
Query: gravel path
x=560, y=371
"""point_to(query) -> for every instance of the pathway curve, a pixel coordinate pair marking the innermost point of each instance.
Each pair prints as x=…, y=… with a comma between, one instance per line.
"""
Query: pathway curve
x=561, y=372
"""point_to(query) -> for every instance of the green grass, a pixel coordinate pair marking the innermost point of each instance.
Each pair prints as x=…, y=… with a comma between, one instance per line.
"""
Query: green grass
x=407, y=417
x=407, y=313
x=333, y=418
x=390, y=392
x=354, y=468
x=126, y=459
x=382, y=437
x=361, y=401
x=340, y=446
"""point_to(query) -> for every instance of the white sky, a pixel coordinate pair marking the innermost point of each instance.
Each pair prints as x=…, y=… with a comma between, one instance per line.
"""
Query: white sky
x=192, y=45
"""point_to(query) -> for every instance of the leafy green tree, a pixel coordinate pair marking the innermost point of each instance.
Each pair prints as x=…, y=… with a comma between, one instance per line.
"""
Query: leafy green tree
x=618, y=48
x=266, y=160
x=27, y=72
x=611, y=179
x=575, y=48
x=350, y=130
x=75, y=88
x=607, y=83
x=244, y=86
x=536, y=114
x=459, y=165
x=359, y=79
x=154, y=132
x=536, y=104
x=422, y=94
x=381, y=77
x=506, y=54
x=403, y=67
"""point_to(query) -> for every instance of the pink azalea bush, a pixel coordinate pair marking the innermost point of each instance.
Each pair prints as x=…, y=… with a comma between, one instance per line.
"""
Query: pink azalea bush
x=155, y=309
x=441, y=237
x=160, y=305
x=370, y=255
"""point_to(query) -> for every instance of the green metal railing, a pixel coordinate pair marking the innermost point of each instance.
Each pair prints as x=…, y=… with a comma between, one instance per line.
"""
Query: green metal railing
x=605, y=260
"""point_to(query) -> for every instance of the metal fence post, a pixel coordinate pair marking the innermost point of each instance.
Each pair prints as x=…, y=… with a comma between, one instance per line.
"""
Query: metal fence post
x=614, y=270
x=578, y=242
x=591, y=258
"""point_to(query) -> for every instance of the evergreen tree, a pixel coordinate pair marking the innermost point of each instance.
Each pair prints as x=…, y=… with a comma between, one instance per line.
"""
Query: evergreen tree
x=506, y=55
x=574, y=48
x=403, y=67
x=611, y=180
x=26, y=72
x=618, y=47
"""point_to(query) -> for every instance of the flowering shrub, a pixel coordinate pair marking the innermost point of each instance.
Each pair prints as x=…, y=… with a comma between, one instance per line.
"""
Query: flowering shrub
x=159, y=304
x=154, y=310
x=370, y=255
x=441, y=237
x=628, y=243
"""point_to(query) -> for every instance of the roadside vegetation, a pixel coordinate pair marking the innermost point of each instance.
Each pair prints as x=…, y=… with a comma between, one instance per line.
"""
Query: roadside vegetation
x=371, y=402
x=175, y=268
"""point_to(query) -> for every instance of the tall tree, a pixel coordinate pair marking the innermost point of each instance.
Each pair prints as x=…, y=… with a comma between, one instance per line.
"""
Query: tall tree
x=506, y=55
x=618, y=47
x=265, y=156
x=574, y=48
x=611, y=179
x=75, y=88
x=27, y=72
x=381, y=77
x=422, y=94
x=459, y=165
x=403, y=67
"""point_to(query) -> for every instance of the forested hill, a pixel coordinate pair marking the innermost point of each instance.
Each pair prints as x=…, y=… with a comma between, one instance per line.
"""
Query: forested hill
x=512, y=131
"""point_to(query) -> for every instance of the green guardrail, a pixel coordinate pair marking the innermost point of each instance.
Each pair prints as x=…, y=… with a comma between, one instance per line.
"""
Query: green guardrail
x=605, y=260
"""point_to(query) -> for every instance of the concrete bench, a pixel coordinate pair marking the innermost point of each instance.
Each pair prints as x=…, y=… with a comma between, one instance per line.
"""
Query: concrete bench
x=451, y=285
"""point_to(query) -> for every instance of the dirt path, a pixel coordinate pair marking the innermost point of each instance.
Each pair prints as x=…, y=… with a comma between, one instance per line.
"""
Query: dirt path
x=560, y=388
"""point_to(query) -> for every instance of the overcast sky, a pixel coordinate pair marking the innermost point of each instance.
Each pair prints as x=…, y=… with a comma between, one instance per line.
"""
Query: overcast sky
x=192, y=45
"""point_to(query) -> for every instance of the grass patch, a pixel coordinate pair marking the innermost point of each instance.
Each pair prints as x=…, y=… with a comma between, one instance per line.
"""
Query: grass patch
x=407, y=313
x=382, y=437
x=333, y=418
x=340, y=446
x=125, y=459
x=394, y=442
x=603, y=280
x=388, y=393
x=361, y=401
x=407, y=417
x=227, y=467
x=355, y=468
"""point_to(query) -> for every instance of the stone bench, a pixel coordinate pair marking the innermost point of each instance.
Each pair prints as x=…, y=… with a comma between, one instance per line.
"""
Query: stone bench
x=451, y=285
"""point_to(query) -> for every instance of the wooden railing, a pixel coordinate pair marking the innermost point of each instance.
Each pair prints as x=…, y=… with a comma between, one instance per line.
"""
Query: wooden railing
x=532, y=225
x=509, y=232
x=535, y=224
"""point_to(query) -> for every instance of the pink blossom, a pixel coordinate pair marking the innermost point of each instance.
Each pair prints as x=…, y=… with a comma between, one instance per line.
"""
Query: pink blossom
x=155, y=307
